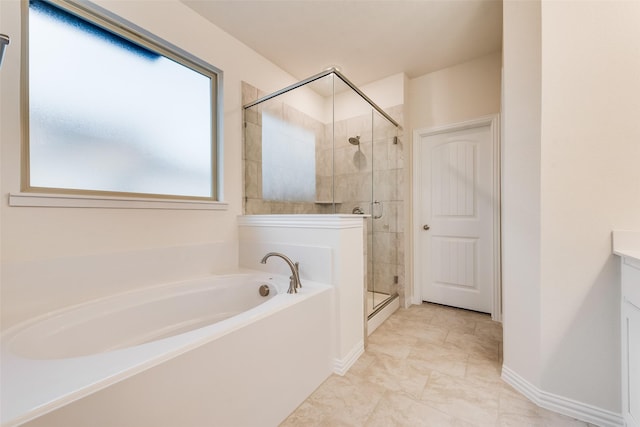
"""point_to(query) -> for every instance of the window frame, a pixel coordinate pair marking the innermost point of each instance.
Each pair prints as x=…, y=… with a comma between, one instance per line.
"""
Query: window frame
x=51, y=196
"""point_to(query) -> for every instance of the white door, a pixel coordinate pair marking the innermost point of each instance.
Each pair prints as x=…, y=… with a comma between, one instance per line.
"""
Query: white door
x=457, y=214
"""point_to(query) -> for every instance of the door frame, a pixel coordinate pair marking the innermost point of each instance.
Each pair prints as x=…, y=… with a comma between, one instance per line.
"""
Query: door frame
x=493, y=121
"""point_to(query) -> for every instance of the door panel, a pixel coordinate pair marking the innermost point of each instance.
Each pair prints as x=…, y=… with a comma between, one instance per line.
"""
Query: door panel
x=454, y=261
x=456, y=192
x=453, y=168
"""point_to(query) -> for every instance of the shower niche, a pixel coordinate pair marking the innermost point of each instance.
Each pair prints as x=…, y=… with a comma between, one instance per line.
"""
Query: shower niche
x=322, y=146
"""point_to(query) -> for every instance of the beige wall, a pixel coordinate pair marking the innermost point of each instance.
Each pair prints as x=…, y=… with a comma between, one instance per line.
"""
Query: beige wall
x=521, y=189
x=465, y=91
x=589, y=183
x=36, y=234
x=40, y=246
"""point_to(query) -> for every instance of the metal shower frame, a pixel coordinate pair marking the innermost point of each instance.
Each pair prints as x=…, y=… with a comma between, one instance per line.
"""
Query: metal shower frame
x=319, y=76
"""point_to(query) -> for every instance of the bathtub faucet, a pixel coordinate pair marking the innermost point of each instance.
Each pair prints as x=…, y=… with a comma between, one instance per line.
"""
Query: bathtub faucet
x=294, y=279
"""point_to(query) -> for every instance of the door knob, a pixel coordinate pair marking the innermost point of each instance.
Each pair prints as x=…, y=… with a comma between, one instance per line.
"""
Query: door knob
x=425, y=227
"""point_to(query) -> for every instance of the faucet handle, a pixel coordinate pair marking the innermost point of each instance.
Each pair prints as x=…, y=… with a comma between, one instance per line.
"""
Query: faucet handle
x=297, y=265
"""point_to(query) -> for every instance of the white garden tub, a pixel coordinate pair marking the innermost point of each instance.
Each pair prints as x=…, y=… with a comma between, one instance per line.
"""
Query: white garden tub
x=211, y=351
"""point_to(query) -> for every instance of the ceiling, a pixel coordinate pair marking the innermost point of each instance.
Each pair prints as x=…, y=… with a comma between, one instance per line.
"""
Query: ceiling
x=366, y=39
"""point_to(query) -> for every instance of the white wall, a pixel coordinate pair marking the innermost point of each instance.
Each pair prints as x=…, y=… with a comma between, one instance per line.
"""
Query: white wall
x=40, y=234
x=583, y=156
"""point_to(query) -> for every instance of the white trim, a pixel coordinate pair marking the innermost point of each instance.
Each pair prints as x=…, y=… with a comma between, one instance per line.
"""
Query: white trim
x=341, y=366
x=493, y=121
x=82, y=201
x=302, y=221
x=562, y=405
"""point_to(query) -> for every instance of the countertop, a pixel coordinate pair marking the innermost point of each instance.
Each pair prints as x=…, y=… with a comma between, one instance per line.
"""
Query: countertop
x=627, y=244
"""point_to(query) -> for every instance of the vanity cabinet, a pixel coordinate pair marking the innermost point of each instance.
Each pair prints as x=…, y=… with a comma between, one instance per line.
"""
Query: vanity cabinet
x=631, y=341
x=626, y=244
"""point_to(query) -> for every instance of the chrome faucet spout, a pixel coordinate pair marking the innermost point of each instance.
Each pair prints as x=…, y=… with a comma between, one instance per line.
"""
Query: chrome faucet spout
x=294, y=283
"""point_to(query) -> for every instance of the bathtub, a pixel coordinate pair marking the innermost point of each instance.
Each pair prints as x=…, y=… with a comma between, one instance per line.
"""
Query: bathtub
x=210, y=351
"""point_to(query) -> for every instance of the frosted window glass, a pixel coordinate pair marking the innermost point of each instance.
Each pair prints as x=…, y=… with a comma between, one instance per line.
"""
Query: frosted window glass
x=106, y=114
x=288, y=161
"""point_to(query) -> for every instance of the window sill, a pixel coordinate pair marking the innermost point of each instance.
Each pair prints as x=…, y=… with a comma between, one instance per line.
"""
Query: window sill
x=81, y=201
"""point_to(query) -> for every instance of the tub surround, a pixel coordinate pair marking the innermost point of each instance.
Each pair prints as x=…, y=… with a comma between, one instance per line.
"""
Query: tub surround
x=626, y=244
x=329, y=249
x=36, y=287
x=98, y=389
x=134, y=318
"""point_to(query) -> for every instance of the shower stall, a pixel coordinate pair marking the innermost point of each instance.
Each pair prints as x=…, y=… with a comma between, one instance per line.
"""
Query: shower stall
x=321, y=146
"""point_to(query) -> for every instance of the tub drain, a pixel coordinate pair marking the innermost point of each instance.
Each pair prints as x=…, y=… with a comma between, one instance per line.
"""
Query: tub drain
x=264, y=290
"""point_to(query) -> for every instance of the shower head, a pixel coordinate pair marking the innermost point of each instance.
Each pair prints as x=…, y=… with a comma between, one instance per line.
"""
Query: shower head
x=354, y=141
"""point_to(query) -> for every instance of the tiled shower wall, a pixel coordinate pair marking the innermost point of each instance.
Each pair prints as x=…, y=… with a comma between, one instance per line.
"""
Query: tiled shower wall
x=376, y=155
x=253, y=201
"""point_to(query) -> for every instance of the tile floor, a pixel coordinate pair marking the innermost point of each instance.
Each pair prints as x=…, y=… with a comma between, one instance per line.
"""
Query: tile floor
x=428, y=365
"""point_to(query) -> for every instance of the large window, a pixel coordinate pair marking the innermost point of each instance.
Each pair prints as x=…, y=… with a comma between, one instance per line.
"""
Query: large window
x=288, y=161
x=115, y=110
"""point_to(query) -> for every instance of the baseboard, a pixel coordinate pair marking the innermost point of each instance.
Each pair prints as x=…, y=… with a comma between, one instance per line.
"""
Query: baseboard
x=341, y=366
x=560, y=404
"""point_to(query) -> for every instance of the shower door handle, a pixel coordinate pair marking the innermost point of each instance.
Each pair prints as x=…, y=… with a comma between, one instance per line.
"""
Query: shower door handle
x=376, y=202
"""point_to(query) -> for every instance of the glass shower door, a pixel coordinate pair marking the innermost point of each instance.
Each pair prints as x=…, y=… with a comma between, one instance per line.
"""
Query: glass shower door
x=385, y=211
